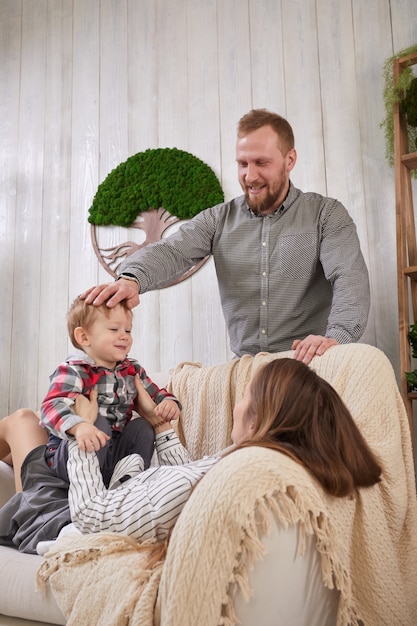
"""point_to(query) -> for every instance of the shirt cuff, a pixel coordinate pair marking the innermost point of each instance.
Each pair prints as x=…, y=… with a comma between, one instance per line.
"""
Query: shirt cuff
x=166, y=437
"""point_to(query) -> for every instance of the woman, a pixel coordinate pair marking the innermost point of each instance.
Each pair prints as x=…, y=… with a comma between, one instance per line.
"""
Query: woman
x=286, y=406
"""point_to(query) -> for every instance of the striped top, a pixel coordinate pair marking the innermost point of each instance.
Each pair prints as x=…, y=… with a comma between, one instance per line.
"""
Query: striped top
x=281, y=277
x=145, y=505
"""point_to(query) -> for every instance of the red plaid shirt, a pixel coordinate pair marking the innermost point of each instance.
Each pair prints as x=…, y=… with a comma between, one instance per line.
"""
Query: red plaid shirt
x=116, y=393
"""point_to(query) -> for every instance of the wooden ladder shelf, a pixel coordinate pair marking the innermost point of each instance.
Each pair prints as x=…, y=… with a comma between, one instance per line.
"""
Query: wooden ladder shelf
x=404, y=163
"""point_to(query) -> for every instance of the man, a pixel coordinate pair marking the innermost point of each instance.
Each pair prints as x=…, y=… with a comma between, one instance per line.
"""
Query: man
x=289, y=266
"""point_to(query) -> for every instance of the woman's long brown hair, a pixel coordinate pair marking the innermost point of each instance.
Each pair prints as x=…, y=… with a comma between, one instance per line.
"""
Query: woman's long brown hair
x=300, y=414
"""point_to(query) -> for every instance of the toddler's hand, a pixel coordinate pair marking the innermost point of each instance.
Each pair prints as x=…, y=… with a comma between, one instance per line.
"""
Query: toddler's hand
x=168, y=410
x=150, y=411
x=89, y=437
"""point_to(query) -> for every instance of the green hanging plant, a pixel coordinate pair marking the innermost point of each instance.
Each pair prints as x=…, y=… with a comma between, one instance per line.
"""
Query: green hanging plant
x=404, y=93
x=411, y=377
x=412, y=338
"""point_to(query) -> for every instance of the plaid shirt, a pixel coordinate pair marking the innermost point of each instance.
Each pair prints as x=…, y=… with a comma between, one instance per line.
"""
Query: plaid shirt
x=116, y=393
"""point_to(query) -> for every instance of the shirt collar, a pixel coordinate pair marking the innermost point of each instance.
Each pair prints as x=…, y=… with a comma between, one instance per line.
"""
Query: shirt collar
x=79, y=357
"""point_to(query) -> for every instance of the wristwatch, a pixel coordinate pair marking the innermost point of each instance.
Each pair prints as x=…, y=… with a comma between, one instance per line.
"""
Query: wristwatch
x=128, y=276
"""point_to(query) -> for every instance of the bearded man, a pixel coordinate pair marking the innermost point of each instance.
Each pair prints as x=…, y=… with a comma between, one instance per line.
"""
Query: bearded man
x=289, y=266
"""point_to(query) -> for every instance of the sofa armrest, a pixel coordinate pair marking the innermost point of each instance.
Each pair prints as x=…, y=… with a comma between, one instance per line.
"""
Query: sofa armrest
x=7, y=487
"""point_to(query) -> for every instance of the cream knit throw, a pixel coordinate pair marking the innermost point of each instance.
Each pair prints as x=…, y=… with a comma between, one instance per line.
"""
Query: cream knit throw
x=101, y=580
x=368, y=544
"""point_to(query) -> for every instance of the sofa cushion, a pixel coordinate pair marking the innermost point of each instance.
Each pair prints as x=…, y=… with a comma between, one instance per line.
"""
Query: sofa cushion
x=19, y=596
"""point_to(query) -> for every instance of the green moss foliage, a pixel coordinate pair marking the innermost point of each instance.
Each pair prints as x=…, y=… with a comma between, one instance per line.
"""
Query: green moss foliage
x=165, y=178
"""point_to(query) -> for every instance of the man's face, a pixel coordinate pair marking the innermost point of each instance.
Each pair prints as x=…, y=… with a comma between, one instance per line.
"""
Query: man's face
x=263, y=170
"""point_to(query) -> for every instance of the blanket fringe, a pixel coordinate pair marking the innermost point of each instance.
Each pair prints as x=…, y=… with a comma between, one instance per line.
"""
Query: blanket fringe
x=286, y=508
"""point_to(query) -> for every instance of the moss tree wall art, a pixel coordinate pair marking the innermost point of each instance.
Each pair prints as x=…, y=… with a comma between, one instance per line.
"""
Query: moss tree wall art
x=151, y=191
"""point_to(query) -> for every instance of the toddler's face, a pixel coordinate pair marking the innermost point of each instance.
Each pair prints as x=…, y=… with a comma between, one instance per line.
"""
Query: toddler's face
x=110, y=337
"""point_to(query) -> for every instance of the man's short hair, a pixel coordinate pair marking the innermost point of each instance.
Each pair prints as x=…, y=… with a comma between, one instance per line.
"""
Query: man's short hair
x=257, y=118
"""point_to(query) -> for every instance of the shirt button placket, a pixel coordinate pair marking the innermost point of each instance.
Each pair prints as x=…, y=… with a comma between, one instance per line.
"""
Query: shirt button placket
x=263, y=304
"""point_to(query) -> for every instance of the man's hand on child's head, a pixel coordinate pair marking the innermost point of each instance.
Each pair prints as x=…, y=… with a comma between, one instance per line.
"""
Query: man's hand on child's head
x=89, y=438
x=168, y=410
x=113, y=293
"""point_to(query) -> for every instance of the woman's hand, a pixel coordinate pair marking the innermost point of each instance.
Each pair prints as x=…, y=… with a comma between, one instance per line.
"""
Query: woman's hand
x=89, y=437
x=87, y=408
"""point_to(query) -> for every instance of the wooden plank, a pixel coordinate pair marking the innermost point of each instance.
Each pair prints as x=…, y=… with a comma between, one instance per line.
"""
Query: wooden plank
x=410, y=160
x=10, y=46
x=83, y=268
x=143, y=56
x=29, y=202
x=235, y=94
x=235, y=78
x=341, y=115
x=176, y=337
x=209, y=339
x=403, y=24
x=404, y=35
x=142, y=65
x=303, y=94
x=341, y=108
x=406, y=246
x=378, y=176
x=53, y=336
x=113, y=129
x=267, y=52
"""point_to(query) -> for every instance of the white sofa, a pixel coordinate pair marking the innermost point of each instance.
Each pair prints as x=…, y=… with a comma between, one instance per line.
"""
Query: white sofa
x=287, y=587
x=19, y=596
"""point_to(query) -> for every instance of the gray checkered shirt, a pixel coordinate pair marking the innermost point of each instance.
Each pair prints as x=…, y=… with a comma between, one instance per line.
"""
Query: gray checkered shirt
x=281, y=277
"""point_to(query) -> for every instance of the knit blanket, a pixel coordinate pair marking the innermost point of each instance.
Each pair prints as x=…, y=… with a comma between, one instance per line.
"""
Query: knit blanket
x=368, y=543
x=101, y=579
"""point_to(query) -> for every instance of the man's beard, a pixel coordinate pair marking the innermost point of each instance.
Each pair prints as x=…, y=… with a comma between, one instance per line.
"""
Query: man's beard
x=260, y=207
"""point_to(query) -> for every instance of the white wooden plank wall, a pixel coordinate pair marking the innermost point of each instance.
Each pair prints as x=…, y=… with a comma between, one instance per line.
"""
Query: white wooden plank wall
x=86, y=83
